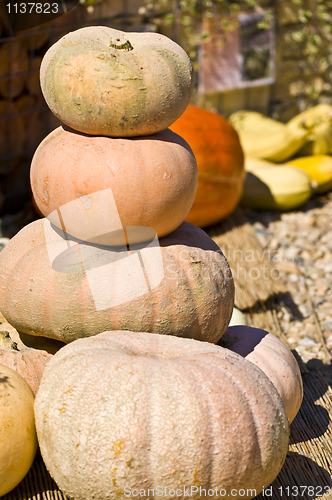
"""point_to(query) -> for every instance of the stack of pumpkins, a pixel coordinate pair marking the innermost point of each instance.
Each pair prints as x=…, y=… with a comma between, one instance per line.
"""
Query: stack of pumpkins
x=136, y=407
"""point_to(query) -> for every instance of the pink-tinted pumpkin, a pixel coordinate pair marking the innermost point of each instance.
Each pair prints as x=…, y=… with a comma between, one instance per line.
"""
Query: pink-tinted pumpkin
x=54, y=287
x=273, y=357
x=140, y=410
x=95, y=188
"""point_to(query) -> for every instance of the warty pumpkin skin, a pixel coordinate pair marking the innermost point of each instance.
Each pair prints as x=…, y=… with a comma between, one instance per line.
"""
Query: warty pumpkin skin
x=273, y=357
x=141, y=410
x=18, y=439
x=92, y=187
x=220, y=162
x=185, y=287
x=27, y=362
x=25, y=354
x=102, y=81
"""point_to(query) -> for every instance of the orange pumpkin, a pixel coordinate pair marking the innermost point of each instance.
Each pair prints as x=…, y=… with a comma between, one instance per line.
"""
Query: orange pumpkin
x=92, y=187
x=220, y=162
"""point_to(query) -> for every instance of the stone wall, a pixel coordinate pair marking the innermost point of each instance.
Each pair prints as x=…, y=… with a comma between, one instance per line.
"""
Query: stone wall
x=298, y=84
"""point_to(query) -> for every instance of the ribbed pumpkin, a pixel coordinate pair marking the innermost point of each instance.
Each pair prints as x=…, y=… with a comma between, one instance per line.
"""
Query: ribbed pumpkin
x=18, y=440
x=220, y=162
x=273, y=357
x=102, y=81
x=140, y=410
x=184, y=287
x=92, y=187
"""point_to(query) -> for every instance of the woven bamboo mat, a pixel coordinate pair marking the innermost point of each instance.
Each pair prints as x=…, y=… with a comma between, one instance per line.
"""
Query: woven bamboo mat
x=307, y=472
x=253, y=272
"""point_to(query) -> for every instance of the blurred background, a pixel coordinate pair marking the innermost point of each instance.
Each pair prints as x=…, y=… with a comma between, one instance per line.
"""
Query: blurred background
x=274, y=57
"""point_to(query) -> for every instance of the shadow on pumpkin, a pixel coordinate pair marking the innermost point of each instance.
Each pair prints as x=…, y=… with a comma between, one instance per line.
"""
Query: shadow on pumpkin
x=300, y=477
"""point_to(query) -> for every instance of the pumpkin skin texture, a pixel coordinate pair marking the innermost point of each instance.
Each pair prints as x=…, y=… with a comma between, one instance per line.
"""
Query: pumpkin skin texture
x=120, y=401
x=25, y=354
x=27, y=362
x=92, y=186
x=193, y=298
x=273, y=357
x=220, y=162
x=102, y=81
x=18, y=439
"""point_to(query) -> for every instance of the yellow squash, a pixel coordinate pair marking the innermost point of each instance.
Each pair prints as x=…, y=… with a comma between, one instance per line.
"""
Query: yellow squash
x=265, y=138
x=276, y=188
x=318, y=121
x=319, y=169
x=18, y=439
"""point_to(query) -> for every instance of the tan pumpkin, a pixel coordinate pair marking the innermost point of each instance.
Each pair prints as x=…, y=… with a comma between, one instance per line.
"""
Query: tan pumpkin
x=118, y=402
x=16, y=353
x=220, y=161
x=182, y=286
x=18, y=440
x=273, y=357
x=102, y=81
x=93, y=187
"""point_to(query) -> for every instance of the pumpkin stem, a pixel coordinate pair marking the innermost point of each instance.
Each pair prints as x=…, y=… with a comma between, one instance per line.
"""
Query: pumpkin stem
x=121, y=45
x=6, y=342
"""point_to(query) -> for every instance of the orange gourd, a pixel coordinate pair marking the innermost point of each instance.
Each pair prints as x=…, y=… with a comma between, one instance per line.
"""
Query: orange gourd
x=93, y=187
x=220, y=162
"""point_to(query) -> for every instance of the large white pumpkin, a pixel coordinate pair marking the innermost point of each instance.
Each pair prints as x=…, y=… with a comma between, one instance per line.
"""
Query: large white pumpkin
x=126, y=411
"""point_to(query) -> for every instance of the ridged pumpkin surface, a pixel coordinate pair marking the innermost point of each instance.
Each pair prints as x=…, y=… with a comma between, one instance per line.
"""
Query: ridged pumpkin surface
x=184, y=287
x=92, y=187
x=273, y=357
x=102, y=81
x=26, y=361
x=220, y=162
x=123, y=409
